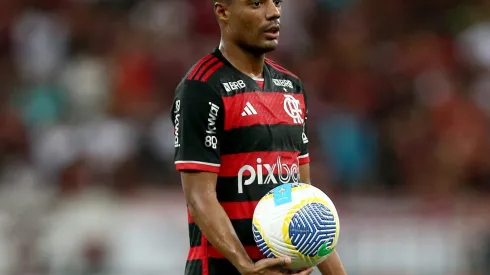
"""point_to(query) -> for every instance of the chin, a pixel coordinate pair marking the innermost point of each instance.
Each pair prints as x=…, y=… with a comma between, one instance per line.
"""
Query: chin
x=262, y=48
x=270, y=46
x=266, y=47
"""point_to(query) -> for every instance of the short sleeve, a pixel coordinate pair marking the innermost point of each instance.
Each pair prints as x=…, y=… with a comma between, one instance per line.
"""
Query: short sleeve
x=304, y=156
x=198, y=120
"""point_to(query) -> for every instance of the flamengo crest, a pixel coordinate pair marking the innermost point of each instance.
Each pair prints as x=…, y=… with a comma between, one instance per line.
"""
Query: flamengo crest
x=293, y=109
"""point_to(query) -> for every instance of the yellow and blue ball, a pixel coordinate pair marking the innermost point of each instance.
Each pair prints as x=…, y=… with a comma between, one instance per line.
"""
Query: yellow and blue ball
x=296, y=220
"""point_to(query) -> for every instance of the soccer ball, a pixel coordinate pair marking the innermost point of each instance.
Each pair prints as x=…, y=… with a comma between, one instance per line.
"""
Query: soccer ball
x=296, y=220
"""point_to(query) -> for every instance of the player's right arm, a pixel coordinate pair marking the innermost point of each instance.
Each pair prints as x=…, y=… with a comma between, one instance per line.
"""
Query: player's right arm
x=198, y=118
x=207, y=213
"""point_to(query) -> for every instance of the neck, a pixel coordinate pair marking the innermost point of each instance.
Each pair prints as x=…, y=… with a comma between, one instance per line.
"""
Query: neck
x=248, y=63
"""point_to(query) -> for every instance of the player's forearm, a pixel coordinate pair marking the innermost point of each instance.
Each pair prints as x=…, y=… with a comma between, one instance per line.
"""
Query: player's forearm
x=332, y=265
x=217, y=228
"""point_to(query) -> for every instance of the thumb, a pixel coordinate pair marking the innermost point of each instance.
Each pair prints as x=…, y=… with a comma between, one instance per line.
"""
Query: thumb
x=277, y=262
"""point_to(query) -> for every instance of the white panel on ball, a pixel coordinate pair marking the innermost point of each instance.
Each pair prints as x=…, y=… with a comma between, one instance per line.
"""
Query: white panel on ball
x=296, y=220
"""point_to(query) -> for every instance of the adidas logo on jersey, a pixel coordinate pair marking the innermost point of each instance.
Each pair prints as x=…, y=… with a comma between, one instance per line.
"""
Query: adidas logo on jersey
x=232, y=86
x=249, y=110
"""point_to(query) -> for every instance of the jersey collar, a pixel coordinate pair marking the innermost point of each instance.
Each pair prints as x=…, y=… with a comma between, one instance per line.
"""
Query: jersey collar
x=267, y=72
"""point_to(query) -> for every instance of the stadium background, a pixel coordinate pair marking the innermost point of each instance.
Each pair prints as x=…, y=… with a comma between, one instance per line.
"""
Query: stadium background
x=399, y=95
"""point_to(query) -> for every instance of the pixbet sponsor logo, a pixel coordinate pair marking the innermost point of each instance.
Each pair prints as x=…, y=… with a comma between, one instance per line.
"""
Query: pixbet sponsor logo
x=210, y=140
x=275, y=173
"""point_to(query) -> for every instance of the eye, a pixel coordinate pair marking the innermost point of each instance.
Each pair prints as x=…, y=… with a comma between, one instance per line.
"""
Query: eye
x=256, y=4
x=278, y=3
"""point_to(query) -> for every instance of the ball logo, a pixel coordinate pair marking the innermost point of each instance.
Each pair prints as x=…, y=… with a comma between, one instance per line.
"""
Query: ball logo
x=277, y=172
x=293, y=109
x=325, y=249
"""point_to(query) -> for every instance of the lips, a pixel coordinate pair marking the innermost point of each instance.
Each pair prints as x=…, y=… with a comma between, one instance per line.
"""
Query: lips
x=272, y=32
x=273, y=29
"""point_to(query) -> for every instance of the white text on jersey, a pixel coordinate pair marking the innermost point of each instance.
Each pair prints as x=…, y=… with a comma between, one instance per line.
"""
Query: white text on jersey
x=285, y=173
x=232, y=86
x=176, y=123
x=210, y=139
x=283, y=83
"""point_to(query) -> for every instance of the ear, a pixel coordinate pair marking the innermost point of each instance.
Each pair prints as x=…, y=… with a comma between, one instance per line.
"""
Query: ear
x=221, y=11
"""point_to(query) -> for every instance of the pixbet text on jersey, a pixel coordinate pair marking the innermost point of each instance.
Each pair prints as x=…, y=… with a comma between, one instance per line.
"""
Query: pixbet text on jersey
x=277, y=172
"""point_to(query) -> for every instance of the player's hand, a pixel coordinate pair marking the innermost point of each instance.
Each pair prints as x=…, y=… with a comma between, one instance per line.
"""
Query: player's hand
x=305, y=271
x=268, y=267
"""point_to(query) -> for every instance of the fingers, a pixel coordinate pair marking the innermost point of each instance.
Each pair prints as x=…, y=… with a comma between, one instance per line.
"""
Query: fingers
x=275, y=262
x=305, y=271
x=279, y=262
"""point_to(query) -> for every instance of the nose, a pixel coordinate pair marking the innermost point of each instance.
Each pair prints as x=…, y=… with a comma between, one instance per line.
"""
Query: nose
x=273, y=11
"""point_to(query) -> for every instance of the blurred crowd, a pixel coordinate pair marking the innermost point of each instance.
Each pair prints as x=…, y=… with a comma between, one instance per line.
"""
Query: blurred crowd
x=399, y=105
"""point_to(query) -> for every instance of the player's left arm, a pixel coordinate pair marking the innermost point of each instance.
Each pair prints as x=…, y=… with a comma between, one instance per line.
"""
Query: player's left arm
x=332, y=265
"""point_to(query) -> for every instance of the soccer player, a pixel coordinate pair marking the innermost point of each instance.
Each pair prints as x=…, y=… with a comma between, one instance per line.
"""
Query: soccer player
x=239, y=122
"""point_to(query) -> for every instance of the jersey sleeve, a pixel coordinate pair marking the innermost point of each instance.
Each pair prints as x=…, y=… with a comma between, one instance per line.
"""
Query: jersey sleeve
x=304, y=156
x=198, y=120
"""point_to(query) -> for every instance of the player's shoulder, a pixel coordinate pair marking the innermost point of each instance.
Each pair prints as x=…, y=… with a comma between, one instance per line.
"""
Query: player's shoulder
x=282, y=76
x=205, y=74
x=209, y=69
x=205, y=68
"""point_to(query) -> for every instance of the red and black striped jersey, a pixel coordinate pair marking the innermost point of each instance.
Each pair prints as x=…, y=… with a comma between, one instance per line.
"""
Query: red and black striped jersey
x=253, y=136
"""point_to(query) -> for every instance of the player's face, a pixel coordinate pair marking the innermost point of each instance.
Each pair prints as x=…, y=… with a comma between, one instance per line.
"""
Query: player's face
x=254, y=24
